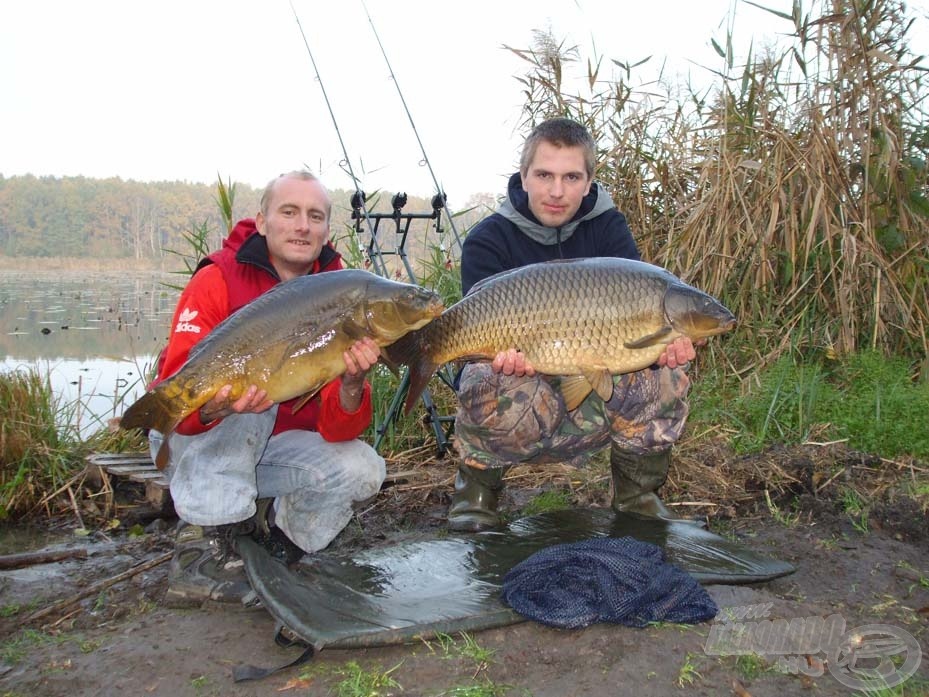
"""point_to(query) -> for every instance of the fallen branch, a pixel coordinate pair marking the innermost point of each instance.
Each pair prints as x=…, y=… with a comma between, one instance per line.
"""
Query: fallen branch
x=18, y=561
x=95, y=588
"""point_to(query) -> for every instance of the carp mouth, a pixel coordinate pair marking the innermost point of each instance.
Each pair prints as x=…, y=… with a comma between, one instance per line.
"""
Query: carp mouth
x=696, y=314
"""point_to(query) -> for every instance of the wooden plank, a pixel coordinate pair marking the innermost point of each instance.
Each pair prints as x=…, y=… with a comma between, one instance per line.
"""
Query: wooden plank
x=138, y=468
x=98, y=458
x=118, y=461
x=126, y=470
x=158, y=495
x=147, y=476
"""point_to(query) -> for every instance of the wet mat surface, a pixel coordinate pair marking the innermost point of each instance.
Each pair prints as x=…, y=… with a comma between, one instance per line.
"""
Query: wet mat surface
x=395, y=593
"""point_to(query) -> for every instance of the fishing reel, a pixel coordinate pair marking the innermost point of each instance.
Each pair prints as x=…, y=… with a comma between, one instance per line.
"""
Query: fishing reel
x=438, y=203
x=397, y=202
x=357, y=202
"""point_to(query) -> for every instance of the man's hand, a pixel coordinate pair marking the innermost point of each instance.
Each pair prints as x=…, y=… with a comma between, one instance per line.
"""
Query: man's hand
x=253, y=401
x=512, y=362
x=679, y=352
x=359, y=359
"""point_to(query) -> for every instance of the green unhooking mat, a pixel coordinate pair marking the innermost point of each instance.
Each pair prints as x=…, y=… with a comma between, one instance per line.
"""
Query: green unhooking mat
x=396, y=593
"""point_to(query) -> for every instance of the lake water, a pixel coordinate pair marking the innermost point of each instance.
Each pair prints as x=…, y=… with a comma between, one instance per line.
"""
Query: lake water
x=96, y=335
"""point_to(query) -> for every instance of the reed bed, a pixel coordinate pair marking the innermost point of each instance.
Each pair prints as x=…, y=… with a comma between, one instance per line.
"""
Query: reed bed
x=795, y=189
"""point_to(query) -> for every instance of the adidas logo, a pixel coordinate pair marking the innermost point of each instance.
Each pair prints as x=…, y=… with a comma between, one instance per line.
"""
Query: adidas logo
x=183, y=322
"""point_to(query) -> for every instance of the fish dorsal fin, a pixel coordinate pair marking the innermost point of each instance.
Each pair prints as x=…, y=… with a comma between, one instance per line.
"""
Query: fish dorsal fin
x=574, y=390
x=653, y=339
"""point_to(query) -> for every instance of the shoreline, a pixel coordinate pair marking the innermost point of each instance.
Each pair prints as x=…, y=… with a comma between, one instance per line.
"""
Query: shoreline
x=86, y=264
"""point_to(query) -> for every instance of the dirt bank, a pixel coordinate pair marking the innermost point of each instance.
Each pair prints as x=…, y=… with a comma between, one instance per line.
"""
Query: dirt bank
x=854, y=528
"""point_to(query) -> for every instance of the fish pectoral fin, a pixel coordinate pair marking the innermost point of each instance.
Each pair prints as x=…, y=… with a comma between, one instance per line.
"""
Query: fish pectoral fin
x=164, y=453
x=650, y=339
x=574, y=390
x=353, y=330
x=300, y=403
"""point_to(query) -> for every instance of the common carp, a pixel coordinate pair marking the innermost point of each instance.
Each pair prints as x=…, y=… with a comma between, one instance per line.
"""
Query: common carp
x=586, y=318
x=288, y=341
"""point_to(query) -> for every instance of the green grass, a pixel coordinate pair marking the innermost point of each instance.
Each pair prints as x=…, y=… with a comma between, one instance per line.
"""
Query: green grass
x=548, y=501
x=358, y=682
x=870, y=401
x=36, y=455
x=465, y=646
x=14, y=649
x=688, y=674
x=787, y=518
x=750, y=666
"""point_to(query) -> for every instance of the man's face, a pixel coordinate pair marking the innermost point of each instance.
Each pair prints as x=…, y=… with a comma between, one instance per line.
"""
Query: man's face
x=296, y=225
x=556, y=181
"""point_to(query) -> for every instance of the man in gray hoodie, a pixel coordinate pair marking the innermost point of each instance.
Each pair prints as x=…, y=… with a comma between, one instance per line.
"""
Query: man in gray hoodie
x=507, y=414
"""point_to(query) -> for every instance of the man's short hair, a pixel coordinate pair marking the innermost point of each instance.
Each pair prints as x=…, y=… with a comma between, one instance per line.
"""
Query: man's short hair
x=303, y=174
x=562, y=132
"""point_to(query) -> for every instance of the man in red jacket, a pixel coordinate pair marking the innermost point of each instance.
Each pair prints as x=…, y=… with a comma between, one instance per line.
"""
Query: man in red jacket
x=294, y=476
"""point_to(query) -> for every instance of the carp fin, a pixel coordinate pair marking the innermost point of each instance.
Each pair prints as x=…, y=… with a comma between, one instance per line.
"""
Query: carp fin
x=300, y=403
x=390, y=363
x=650, y=339
x=574, y=390
x=353, y=330
x=601, y=382
x=164, y=454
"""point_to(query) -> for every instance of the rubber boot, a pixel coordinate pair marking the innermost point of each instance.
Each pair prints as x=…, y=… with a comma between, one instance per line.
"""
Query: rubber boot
x=474, y=503
x=636, y=479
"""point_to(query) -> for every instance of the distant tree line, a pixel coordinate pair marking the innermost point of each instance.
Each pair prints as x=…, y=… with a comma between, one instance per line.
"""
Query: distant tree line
x=104, y=218
x=114, y=218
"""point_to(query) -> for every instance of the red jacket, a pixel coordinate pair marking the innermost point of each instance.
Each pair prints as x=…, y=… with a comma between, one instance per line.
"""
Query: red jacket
x=224, y=282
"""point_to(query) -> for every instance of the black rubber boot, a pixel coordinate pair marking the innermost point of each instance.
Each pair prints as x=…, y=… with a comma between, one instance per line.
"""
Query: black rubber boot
x=474, y=503
x=636, y=479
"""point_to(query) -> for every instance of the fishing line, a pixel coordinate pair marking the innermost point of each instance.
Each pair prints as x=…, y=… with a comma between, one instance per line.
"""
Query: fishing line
x=425, y=159
x=378, y=261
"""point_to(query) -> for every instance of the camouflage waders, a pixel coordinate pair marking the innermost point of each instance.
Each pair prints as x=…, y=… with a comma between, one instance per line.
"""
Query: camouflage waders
x=505, y=420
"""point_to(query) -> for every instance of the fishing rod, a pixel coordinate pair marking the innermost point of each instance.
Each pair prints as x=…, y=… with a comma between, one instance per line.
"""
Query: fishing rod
x=440, y=195
x=358, y=199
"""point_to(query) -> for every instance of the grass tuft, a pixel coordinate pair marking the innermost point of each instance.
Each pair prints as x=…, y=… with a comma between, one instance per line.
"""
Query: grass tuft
x=36, y=456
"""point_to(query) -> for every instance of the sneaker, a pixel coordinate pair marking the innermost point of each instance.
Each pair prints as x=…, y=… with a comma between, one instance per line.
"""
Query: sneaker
x=204, y=567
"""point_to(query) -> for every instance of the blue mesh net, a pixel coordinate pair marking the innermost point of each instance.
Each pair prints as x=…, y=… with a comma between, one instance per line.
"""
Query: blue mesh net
x=620, y=580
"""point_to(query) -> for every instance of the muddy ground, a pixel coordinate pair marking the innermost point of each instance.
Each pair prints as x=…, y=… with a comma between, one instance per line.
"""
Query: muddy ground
x=855, y=527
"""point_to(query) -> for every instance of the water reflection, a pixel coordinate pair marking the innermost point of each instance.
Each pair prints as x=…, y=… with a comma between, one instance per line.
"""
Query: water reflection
x=95, y=335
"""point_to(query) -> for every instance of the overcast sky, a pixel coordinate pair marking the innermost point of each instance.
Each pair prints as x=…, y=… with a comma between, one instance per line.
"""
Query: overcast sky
x=183, y=89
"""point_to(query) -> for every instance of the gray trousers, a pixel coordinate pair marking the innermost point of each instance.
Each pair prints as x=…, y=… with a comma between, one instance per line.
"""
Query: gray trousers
x=216, y=476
